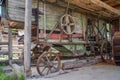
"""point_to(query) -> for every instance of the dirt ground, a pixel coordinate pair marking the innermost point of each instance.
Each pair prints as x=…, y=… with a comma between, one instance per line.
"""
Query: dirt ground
x=95, y=72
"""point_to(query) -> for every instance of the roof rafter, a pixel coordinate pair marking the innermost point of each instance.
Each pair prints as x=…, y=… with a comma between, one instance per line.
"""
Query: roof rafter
x=106, y=6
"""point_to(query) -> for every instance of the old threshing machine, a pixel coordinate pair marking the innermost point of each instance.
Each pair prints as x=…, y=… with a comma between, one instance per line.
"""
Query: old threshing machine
x=50, y=43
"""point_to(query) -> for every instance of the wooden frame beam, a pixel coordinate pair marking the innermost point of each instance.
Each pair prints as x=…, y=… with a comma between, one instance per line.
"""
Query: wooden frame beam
x=105, y=6
x=97, y=3
x=83, y=9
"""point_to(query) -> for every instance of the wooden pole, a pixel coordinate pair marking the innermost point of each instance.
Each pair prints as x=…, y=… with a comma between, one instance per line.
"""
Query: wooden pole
x=44, y=18
x=27, y=37
x=119, y=23
x=38, y=21
x=10, y=45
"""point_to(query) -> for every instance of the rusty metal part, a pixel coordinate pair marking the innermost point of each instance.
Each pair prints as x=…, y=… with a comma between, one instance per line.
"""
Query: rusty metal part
x=67, y=24
x=48, y=62
x=36, y=51
x=116, y=48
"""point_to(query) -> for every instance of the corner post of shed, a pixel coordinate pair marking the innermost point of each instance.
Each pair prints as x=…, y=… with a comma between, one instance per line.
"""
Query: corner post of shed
x=27, y=37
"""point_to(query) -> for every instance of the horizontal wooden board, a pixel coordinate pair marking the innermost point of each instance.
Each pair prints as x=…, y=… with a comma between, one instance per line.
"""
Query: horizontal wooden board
x=16, y=3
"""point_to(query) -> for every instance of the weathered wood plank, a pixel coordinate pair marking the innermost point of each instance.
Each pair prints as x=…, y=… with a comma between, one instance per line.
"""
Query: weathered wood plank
x=91, y=5
x=3, y=43
x=16, y=10
x=3, y=52
x=10, y=55
x=81, y=63
x=20, y=3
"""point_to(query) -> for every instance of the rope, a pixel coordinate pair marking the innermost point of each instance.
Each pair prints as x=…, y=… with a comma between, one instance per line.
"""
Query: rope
x=68, y=4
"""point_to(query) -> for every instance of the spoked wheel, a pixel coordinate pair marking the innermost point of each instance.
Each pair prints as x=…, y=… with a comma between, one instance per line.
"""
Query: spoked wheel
x=105, y=51
x=67, y=24
x=47, y=63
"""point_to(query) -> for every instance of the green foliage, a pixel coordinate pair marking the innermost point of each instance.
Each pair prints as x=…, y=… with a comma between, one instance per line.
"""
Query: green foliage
x=22, y=77
x=1, y=65
x=4, y=76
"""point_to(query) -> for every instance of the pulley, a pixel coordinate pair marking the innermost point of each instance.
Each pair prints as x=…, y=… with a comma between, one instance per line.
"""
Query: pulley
x=67, y=24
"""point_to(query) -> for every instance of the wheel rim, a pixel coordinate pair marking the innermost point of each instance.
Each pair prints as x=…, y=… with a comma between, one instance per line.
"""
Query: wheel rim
x=48, y=63
x=67, y=24
x=105, y=54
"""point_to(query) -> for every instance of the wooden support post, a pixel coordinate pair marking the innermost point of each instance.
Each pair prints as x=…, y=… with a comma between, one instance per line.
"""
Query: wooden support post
x=119, y=23
x=84, y=18
x=10, y=45
x=27, y=37
x=44, y=18
x=38, y=21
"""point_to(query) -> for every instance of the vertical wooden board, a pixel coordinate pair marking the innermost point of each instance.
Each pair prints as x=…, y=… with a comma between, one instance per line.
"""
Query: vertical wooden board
x=77, y=19
x=84, y=18
x=53, y=14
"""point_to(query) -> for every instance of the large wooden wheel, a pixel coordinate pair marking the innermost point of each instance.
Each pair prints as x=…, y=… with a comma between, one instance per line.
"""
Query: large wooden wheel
x=67, y=24
x=116, y=48
x=105, y=51
x=48, y=62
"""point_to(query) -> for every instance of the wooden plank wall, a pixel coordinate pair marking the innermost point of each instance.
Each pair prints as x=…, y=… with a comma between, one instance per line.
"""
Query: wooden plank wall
x=16, y=10
x=54, y=13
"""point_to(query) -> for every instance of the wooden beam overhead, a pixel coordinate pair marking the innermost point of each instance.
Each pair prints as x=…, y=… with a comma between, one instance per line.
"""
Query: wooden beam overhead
x=52, y=1
x=79, y=4
x=89, y=6
x=99, y=5
x=105, y=6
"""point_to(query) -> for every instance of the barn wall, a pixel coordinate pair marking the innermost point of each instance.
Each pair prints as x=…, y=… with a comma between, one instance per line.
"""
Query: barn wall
x=16, y=10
